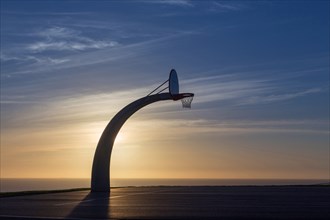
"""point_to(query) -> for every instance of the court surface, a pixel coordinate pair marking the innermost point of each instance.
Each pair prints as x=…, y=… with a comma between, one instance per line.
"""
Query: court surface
x=196, y=202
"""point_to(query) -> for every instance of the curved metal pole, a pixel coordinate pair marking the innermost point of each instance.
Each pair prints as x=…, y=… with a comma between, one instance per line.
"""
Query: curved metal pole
x=101, y=163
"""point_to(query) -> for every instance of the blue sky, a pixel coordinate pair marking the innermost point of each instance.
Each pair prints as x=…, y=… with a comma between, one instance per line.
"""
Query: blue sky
x=259, y=71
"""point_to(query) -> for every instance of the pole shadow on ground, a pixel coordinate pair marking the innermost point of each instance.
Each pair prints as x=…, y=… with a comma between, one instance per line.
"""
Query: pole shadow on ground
x=94, y=205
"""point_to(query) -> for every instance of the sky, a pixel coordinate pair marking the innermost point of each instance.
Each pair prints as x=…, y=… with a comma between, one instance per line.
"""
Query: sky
x=259, y=71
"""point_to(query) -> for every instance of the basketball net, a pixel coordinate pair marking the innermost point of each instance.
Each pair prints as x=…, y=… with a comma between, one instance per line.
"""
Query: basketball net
x=186, y=101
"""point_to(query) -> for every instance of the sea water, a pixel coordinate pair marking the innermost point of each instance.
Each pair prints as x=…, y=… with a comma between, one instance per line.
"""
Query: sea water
x=15, y=185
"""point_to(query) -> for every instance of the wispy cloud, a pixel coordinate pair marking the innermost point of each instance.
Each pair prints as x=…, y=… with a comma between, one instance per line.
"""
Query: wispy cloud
x=60, y=32
x=68, y=13
x=82, y=111
x=240, y=91
x=69, y=45
x=224, y=88
x=248, y=126
x=105, y=54
x=223, y=6
x=215, y=89
x=60, y=38
x=280, y=97
x=16, y=102
x=184, y=3
x=43, y=60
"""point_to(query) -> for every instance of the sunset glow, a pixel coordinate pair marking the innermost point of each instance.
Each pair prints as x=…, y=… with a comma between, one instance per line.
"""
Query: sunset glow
x=259, y=71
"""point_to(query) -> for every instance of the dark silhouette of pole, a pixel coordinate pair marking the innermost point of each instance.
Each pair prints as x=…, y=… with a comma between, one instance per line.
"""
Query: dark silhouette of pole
x=101, y=164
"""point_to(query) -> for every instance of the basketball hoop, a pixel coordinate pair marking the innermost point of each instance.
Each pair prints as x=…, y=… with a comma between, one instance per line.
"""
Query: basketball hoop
x=186, y=101
x=173, y=87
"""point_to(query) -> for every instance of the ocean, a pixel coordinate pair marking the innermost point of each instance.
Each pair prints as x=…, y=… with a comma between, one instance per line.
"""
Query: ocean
x=15, y=185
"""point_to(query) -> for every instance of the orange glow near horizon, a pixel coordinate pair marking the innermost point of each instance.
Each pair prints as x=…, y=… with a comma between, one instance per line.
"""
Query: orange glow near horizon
x=156, y=148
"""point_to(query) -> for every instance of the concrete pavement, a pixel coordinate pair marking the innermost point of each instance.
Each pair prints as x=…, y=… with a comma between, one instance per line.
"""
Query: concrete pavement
x=196, y=202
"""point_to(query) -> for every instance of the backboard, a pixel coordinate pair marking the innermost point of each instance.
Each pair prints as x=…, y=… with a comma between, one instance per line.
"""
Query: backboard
x=173, y=82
